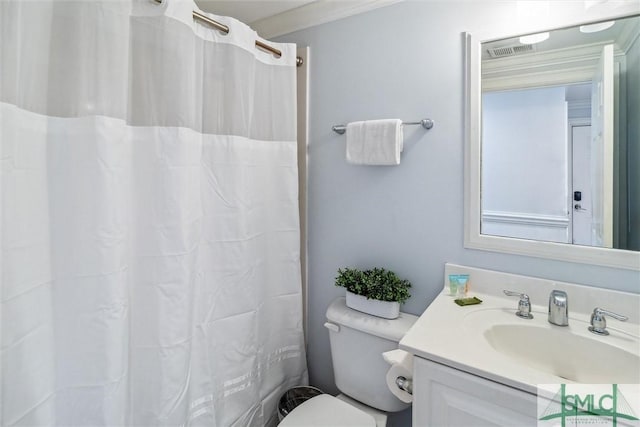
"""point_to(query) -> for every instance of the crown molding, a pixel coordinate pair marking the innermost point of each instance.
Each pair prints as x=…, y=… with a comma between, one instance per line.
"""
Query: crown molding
x=312, y=14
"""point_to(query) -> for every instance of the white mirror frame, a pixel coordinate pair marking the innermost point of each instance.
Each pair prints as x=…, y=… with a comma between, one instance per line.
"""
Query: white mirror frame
x=473, y=239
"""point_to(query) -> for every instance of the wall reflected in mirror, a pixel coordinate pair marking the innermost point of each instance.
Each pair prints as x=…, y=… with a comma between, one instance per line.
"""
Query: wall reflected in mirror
x=561, y=136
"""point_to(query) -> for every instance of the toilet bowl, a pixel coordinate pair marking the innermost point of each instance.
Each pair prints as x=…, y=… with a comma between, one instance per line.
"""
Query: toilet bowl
x=357, y=343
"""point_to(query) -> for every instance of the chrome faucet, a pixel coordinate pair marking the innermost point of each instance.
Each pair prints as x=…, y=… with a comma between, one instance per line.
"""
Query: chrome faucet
x=599, y=323
x=524, y=305
x=559, y=308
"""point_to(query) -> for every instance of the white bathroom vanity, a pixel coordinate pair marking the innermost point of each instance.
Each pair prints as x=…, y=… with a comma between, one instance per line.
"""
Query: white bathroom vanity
x=482, y=365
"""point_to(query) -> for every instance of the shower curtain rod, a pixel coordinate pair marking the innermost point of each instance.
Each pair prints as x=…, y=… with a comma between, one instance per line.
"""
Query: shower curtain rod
x=225, y=29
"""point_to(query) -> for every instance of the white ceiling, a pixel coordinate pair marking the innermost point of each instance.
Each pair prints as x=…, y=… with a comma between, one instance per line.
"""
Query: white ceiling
x=272, y=18
x=249, y=11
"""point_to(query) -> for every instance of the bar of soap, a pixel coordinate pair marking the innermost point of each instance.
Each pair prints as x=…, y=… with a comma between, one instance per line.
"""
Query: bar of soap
x=467, y=301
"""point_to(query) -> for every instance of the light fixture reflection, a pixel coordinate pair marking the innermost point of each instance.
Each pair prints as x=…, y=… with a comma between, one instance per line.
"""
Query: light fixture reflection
x=534, y=38
x=594, y=28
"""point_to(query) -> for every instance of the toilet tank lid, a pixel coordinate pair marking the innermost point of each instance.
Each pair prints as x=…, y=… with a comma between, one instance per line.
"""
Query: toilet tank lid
x=391, y=329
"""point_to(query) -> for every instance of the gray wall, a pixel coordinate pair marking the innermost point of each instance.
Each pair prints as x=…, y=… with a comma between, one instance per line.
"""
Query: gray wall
x=403, y=61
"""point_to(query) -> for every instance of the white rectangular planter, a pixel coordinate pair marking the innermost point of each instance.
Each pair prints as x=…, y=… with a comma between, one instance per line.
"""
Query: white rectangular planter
x=386, y=309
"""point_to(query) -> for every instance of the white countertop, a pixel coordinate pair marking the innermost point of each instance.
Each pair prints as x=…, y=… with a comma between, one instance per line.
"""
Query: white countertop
x=456, y=336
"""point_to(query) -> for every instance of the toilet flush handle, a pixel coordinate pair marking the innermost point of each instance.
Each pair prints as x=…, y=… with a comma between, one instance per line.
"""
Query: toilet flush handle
x=332, y=327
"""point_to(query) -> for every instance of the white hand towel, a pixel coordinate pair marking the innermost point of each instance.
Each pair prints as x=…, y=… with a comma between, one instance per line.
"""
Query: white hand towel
x=374, y=142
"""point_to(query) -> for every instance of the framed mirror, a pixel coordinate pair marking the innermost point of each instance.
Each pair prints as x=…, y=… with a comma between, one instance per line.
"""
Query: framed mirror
x=553, y=143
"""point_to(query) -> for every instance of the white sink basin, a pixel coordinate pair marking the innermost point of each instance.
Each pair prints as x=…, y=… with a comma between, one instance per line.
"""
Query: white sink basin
x=564, y=354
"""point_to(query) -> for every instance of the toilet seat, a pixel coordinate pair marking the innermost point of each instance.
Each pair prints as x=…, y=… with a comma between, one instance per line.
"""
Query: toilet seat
x=326, y=410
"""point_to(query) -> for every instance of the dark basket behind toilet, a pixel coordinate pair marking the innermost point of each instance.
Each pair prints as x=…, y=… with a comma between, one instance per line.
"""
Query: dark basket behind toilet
x=295, y=397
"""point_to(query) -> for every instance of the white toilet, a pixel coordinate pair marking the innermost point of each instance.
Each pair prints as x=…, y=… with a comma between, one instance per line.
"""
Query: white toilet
x=357, y=343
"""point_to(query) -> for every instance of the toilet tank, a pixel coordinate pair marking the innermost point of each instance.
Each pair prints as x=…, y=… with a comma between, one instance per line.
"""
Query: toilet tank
x=357, y=345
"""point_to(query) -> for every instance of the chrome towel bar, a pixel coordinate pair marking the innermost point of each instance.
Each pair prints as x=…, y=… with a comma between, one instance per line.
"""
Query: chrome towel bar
x=425, y=123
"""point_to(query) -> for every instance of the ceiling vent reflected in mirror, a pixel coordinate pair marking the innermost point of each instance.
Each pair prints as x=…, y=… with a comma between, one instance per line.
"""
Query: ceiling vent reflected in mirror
x=500, y=52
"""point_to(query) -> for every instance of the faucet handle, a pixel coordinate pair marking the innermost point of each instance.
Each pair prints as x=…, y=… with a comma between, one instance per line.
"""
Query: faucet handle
x=599, y=322
x=524, y=305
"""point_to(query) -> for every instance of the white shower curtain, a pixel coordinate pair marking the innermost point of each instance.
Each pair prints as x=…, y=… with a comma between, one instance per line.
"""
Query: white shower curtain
x=149, y=230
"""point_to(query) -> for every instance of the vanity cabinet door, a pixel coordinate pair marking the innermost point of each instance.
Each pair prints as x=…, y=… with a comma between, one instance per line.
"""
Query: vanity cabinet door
x=444, y=396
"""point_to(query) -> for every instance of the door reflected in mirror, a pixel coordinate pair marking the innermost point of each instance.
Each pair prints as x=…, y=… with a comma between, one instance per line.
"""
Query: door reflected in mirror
x=560, y=129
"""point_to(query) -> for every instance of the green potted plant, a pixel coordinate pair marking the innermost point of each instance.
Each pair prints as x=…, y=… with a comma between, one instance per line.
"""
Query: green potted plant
x=377, y=291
